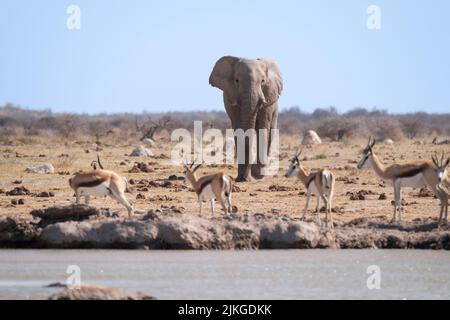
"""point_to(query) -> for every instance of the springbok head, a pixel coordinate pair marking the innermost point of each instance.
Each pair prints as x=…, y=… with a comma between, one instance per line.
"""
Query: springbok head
x=294, y=166
x=189, y=168
x=440, y=165
x=95, y=163
x=366, y=154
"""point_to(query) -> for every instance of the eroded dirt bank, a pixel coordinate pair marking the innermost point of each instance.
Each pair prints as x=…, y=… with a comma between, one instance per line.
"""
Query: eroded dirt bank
x=87, y=227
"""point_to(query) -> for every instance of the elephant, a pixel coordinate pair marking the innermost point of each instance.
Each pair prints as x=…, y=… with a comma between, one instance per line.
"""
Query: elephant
x=251, y=88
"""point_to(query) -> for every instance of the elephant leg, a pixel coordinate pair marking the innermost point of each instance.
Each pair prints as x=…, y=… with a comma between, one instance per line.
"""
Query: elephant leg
x=267, y=119
x=244, y=169
x=233, y=113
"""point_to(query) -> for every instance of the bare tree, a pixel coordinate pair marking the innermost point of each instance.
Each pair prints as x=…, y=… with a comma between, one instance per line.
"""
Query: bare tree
x=412, y=126
x=149, y=129
x=68, y=125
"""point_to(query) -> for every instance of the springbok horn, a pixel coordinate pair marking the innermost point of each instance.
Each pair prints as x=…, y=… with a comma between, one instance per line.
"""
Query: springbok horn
x=99, y=163
x=434, y=161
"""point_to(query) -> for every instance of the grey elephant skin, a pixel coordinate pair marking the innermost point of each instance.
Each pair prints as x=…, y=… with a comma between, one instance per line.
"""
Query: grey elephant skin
x=251, y=88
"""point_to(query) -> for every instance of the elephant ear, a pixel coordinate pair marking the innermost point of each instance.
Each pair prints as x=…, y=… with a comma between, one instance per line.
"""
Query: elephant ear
x=222, y=75
x=274, y=85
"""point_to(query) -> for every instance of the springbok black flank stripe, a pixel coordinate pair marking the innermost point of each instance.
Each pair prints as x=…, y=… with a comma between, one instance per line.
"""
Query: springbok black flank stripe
x=411, y=173
x=203, y=185
x=91, y=184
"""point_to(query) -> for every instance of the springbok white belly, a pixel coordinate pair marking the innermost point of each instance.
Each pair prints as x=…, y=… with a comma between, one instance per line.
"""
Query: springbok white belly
x=312, y=189
x=416, y=181
x=97, y=191
x=207, y=193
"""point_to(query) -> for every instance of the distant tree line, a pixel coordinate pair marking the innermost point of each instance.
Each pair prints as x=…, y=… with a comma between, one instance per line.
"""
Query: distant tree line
x=327, y=122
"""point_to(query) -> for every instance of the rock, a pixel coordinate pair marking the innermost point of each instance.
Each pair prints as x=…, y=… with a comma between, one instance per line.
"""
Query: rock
x=17, y=233
x=382, y=196
x=141, y=167
x=440, y=141
x=64, y=213
x=236, y=189
x=388, y=142
x=56, y=285
x=18, y=191
x=289, y=235
x=277, y=188
x=44, y=168
x=173, y=177
x=425, y=193
x=95, y=292
x=142, y=151
x=172, y=228
x=359, y=195
x=45, y=194
x=17, y=202
x=311, y=137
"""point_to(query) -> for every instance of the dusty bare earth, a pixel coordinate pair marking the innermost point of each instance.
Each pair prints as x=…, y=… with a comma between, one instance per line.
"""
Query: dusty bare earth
x=357, y=204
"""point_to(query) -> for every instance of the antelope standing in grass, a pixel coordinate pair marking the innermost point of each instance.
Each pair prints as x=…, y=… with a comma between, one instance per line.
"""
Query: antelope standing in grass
x=413, y=174
x=211, y=187
x=100, y=182
x=320, y=183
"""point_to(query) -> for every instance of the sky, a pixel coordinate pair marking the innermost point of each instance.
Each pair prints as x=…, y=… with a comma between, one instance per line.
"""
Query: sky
x=133, y=56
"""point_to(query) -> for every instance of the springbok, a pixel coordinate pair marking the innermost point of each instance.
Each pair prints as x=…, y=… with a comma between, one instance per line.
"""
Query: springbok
x=413, y=174
x=211, y=187
x=320, y=183
x=100, y=182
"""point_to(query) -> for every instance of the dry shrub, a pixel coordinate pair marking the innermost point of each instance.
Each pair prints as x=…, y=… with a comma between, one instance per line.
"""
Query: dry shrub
x=337, y=128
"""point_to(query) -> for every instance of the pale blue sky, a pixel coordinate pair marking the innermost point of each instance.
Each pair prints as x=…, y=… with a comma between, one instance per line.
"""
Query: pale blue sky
x=157, y=55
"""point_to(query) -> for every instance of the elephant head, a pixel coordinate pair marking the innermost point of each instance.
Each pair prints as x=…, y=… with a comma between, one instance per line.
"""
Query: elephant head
x=250, y=89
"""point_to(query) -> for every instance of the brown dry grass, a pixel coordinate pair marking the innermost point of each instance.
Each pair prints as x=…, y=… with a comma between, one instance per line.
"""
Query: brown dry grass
x=69, y=157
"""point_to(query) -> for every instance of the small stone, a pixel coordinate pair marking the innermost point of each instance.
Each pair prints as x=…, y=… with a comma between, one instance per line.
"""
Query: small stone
x=382, y=196
x=45, y=168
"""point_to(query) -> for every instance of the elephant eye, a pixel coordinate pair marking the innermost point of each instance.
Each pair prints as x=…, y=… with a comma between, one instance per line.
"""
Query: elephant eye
x=237, y=80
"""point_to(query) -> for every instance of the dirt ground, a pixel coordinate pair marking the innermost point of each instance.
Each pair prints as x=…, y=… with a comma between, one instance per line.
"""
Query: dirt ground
x=276, y=195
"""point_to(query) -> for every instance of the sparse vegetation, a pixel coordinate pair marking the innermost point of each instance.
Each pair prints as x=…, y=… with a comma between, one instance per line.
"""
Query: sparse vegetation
x=328, y=123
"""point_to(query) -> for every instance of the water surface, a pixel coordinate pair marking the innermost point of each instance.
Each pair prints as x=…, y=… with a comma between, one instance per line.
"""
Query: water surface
x=263, y=274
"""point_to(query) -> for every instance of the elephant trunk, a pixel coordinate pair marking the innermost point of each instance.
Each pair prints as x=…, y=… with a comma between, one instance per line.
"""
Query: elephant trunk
x=248, y=114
